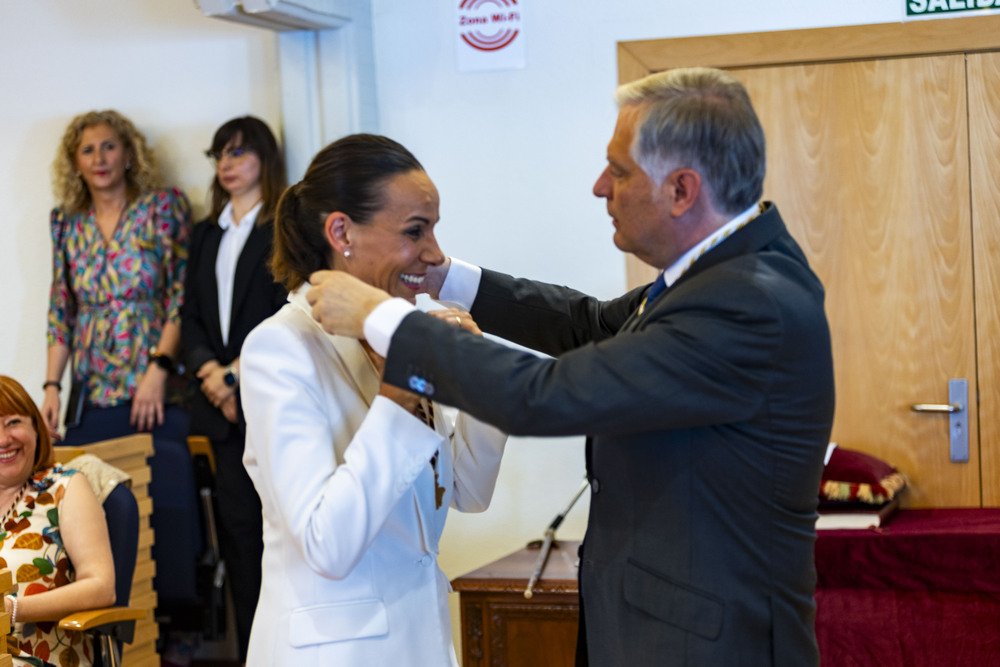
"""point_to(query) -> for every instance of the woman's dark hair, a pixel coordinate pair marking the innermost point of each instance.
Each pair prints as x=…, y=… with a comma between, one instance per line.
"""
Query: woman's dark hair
x=251, y=134
x=346, y=176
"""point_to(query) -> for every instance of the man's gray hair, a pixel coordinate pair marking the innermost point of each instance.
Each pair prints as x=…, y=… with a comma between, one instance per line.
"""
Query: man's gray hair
x=699, y=118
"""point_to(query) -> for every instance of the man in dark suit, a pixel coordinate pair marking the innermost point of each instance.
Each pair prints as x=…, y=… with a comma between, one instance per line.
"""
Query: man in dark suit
x=707, y=397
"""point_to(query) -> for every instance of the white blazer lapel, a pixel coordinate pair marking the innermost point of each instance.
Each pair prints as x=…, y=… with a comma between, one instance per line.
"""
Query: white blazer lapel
x=366, y=383
x=352, y=355
x=430, y=516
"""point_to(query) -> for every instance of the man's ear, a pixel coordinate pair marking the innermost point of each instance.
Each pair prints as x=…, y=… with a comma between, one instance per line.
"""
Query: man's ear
x=335, y=228
x=685, y=186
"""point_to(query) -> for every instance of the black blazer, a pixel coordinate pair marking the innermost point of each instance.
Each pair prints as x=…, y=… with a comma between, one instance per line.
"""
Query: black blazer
x=255, y=297
x=707, y=420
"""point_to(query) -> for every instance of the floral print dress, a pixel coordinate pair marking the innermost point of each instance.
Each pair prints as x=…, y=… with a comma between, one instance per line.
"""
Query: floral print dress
x=110, y=300
x=32, y=549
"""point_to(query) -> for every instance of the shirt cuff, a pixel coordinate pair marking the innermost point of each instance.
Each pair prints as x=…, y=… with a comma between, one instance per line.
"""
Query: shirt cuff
x=382, y=323
x=462, y=284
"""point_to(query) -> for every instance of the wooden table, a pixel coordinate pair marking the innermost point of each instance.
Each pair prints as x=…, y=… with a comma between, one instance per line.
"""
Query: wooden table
x=501, y=628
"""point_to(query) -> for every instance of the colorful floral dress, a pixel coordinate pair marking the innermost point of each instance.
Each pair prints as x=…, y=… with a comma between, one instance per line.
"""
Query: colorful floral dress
x=110, y=300
x=31, y=547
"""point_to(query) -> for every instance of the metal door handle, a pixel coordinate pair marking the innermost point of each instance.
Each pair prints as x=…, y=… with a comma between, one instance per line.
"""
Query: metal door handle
x=958, y=431
x=935, y=407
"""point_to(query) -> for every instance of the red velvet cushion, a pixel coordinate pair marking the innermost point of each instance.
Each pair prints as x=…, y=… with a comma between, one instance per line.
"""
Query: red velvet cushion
x=853, y=476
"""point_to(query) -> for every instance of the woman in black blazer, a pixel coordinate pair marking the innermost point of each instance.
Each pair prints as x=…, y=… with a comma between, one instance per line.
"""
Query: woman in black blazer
x=228, y=291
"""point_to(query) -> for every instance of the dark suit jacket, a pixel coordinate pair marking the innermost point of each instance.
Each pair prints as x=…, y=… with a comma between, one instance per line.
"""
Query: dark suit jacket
x=255, y=297
x=707, y=421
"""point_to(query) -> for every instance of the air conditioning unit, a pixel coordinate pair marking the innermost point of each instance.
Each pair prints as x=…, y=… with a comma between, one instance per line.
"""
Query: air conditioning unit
x=281, y=15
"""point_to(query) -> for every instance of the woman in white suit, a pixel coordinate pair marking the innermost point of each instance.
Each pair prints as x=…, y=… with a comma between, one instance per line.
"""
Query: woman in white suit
x=355, y=476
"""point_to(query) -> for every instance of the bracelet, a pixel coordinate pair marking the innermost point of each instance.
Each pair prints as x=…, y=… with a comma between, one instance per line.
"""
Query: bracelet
x=162, y=360
x=52, y=383
x=13, y=609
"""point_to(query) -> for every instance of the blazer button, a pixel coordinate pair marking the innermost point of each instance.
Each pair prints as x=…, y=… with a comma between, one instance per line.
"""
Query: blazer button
x=595, y=485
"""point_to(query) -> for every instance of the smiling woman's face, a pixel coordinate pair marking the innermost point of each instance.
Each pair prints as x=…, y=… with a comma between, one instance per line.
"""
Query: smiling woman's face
x=18, y=442
x=393, y=250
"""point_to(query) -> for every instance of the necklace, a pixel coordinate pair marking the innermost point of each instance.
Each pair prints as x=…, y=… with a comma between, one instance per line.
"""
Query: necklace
x=425, y=412
x=13, y=505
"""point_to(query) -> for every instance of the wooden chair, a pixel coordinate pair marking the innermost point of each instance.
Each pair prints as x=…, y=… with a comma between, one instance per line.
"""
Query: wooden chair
x=111, y=626
x=128, y=454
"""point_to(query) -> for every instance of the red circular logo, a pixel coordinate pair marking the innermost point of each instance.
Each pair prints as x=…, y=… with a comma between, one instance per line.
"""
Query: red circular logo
x=489, y=25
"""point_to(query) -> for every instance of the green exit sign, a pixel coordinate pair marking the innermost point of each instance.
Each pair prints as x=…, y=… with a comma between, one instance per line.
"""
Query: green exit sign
x=927, y=7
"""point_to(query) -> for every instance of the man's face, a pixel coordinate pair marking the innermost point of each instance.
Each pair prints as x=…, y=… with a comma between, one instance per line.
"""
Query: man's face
x=639, y=209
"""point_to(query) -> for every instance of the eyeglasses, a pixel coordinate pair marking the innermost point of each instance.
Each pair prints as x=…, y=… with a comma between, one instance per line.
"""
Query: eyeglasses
x=234, y=152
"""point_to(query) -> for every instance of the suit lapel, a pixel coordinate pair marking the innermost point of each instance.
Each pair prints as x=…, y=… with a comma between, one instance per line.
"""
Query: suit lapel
x=365, y=381
x=207, y=281
x=252, y=254
x=359, y=368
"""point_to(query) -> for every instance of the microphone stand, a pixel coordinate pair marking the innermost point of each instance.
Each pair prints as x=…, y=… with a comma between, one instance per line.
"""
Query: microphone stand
x=550, y=534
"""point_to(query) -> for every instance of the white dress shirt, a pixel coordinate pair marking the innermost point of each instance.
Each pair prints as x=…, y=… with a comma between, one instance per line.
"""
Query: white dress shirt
x=234, y=237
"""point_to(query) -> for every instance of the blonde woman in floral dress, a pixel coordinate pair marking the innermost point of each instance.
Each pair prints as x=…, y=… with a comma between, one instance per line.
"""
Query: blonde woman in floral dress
x=120, y=246
x=119, y=255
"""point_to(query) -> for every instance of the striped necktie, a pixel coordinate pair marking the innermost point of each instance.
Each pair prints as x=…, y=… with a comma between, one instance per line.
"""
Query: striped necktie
x=654, y=291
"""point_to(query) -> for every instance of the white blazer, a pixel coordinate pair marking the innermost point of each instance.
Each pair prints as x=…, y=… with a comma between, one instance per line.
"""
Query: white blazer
x=350, y=573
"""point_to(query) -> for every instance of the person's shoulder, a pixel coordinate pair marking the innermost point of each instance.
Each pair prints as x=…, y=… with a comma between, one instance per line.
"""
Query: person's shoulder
x=202, y=228
x=44, y=479
x=165, y=200
x=287, y=324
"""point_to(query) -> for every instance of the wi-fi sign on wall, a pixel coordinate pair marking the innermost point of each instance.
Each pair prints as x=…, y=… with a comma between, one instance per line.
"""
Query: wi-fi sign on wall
x=489, y=25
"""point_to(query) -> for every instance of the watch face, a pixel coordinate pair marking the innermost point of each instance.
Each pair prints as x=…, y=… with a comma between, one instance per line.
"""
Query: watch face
x=229, y=378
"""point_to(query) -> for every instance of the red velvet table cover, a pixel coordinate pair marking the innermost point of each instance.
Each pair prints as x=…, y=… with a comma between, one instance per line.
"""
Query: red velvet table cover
x=922, y=591
x=956, y=550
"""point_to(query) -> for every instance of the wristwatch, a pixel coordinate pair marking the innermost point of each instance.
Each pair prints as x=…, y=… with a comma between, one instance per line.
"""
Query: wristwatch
x=161, y=360
x=232, y=376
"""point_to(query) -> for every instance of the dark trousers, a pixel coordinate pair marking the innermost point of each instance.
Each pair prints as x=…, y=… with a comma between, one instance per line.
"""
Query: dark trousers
x=582, y=659
x=175, y=519
x=241, y=530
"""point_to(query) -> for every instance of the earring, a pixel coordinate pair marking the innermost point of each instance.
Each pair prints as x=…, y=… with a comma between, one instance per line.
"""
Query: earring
x=347, y=253
x=128, y=165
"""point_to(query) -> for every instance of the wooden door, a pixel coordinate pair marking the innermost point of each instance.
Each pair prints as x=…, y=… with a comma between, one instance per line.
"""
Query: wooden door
x=869, y=163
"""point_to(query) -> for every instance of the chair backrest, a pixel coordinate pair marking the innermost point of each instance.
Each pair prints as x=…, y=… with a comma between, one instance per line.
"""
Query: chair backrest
x=122, y=514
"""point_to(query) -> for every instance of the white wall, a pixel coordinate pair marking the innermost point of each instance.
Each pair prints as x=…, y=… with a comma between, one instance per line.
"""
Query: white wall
x=175, y=73
x=514, y=154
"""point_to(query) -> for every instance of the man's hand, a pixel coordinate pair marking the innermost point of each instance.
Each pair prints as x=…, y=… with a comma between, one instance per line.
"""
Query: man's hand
x=340, y=302
x=457, y=318
x=435, y=279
